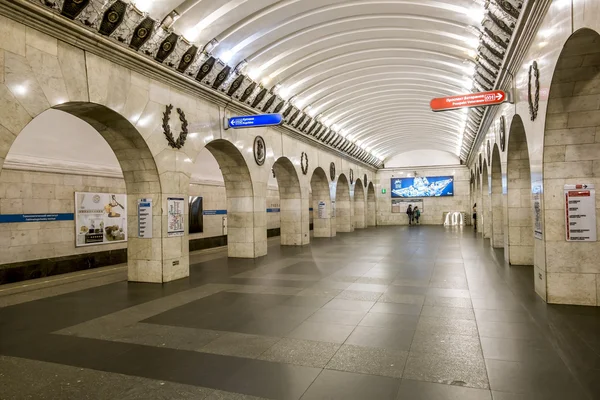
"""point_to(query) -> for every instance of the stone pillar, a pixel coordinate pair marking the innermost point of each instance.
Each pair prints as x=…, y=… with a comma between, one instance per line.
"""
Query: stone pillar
x=343, y=206
x=324, y=225
x=359, y=205
x=497, y=205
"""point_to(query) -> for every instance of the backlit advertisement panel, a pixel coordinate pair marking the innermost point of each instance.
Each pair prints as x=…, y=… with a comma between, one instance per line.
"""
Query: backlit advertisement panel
x=423, y=186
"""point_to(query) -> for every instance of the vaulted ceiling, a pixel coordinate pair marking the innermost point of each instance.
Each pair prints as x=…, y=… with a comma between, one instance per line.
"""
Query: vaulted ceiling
x=355, y=74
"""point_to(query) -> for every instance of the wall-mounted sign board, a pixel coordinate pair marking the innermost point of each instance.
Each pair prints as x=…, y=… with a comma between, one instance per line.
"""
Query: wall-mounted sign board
x=176, y=216
x=145, y=218
x=580, y=213
x=253, y=121
x=480, y=99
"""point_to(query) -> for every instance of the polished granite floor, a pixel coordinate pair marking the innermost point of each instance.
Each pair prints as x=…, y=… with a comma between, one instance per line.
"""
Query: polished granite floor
x=421, y=313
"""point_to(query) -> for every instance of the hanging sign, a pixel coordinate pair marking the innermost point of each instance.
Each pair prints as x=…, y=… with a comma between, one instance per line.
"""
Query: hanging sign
x=145, y=218
x=175, y=218
x=253, y=121
x=481, y=99
x=322, y=210
x=100, y=218
x=580, y=213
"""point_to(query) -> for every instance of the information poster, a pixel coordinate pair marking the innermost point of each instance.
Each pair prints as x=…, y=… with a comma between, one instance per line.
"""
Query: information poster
x=399, y=206
x=145, y=218
x=332, y=208
x=580, y=213
x=537, y=213
x=100, y=218
x=322, y=210
x=176, y=216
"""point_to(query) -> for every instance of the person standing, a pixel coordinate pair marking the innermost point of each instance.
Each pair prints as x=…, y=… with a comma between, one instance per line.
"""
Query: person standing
x=417, y=214
x=475, y=216
x=409, y=212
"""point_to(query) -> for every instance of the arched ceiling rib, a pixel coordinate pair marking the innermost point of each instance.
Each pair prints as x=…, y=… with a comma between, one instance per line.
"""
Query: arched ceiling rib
x=363, y=69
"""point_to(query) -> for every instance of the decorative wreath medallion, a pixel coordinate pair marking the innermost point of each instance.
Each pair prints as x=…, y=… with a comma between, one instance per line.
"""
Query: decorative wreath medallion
x=259, y=150
x=534, y=99
x=332, y=171
x=113, y=16
x=365, y=180
x=304, y=163
x=351, y=176
x=176, y=144
x=489, y=152
x=502, y=133
x=142, y=33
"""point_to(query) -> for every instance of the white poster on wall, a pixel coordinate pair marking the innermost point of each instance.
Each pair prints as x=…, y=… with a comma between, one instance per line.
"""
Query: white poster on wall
x=145, y=218
x=100, y=218
x=176, y=216
x=332, y=208
x=537, y=213
x=399, y=206
x=580, y=213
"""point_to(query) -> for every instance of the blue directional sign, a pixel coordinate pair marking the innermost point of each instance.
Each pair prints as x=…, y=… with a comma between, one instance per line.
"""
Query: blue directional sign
x=254, y=121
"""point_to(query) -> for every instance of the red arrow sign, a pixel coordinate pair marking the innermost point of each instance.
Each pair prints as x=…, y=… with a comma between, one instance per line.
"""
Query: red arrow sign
x=469, y=100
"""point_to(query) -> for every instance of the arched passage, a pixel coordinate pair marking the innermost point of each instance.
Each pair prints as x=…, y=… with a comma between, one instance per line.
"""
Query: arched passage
x=571, y=156
x=294, y=216
x=157, y=259
x=486, y=203
x=371, y=206
x=321, y=204
x=359, y=205
x=343, y=211
x=497, y=200
x=518, y=238
x=246, y=221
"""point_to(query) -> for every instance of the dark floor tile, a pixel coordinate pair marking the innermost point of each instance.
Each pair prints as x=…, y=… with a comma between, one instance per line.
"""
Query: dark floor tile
x=501, y=316
x=349, y=305
x=547, y=381
x=416, y=390
x=369, y=360
x=275, y=327
x=272, y=380
x=399, y=339
x=509, y=330
x=407, y=290
x=385, y=320
x=337, y=316
x=323, y=332
x=336, y=385
x=395, y=308
x=497, y=303
x=518, y=350
x=306, y=301
x=240, y=345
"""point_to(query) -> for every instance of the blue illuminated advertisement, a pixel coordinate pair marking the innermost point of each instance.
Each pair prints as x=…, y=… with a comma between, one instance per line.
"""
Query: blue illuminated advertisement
x=423, y=186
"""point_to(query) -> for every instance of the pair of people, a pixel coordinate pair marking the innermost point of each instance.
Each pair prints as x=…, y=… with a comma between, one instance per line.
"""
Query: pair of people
x=413, y=214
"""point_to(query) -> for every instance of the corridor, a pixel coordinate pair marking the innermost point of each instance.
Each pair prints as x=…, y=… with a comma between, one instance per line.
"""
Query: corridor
x=415, y=313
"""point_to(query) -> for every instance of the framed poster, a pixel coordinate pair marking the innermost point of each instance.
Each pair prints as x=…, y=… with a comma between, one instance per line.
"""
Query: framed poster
x=196, y=217
x=100, y=218
x=423, y=186
x=175, y=217
x=145, y=218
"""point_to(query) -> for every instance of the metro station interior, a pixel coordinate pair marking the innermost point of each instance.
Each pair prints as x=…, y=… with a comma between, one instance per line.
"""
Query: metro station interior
x=285, y=199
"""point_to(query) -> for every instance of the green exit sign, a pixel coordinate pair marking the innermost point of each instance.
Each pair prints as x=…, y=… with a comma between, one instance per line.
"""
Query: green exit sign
x=383, y=191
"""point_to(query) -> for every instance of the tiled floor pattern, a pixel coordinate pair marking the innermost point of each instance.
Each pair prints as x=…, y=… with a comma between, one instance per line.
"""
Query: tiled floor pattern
x=389, y=313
